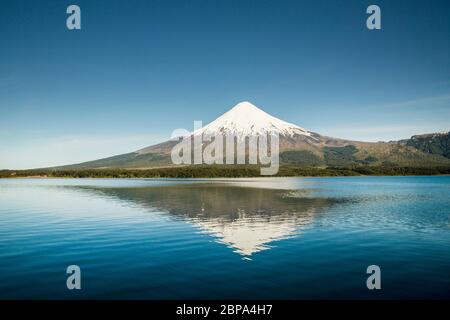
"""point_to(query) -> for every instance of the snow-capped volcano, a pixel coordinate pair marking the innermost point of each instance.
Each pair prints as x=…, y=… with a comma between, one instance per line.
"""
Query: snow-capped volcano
x=297, y=146
x=246, y=119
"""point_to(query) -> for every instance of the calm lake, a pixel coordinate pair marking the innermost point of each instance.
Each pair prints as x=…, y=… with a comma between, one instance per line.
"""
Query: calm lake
x=264, y=238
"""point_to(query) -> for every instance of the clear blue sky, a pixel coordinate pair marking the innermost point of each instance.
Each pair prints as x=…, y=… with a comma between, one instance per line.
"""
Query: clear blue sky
x=139, y=69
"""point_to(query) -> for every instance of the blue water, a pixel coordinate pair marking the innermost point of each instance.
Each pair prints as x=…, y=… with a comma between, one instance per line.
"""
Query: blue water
x=274, y=238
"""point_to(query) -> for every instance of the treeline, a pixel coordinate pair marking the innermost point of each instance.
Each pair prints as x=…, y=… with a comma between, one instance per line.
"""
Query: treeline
x=400, y=171
x=223, y=171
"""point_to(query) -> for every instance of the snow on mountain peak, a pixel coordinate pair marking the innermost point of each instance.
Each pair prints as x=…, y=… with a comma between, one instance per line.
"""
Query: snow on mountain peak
x=246, y=119
x=244, y=105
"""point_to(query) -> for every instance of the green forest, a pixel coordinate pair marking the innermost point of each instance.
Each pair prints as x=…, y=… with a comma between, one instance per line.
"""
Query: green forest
x=223, y=171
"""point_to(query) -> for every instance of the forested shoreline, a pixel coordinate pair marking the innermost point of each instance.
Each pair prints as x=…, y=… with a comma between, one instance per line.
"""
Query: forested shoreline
x=223, y=171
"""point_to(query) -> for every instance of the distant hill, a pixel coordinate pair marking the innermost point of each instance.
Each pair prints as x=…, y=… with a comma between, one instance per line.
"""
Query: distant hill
x=433, y=143
x=298, y=146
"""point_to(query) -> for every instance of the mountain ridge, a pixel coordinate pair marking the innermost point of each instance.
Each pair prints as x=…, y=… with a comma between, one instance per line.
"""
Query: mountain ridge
x=298, y=146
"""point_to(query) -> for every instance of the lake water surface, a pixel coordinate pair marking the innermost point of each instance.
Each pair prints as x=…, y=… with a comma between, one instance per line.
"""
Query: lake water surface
x=265, y=238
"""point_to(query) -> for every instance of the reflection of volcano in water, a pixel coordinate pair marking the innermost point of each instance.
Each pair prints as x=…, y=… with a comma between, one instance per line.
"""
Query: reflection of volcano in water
x=246, y=219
